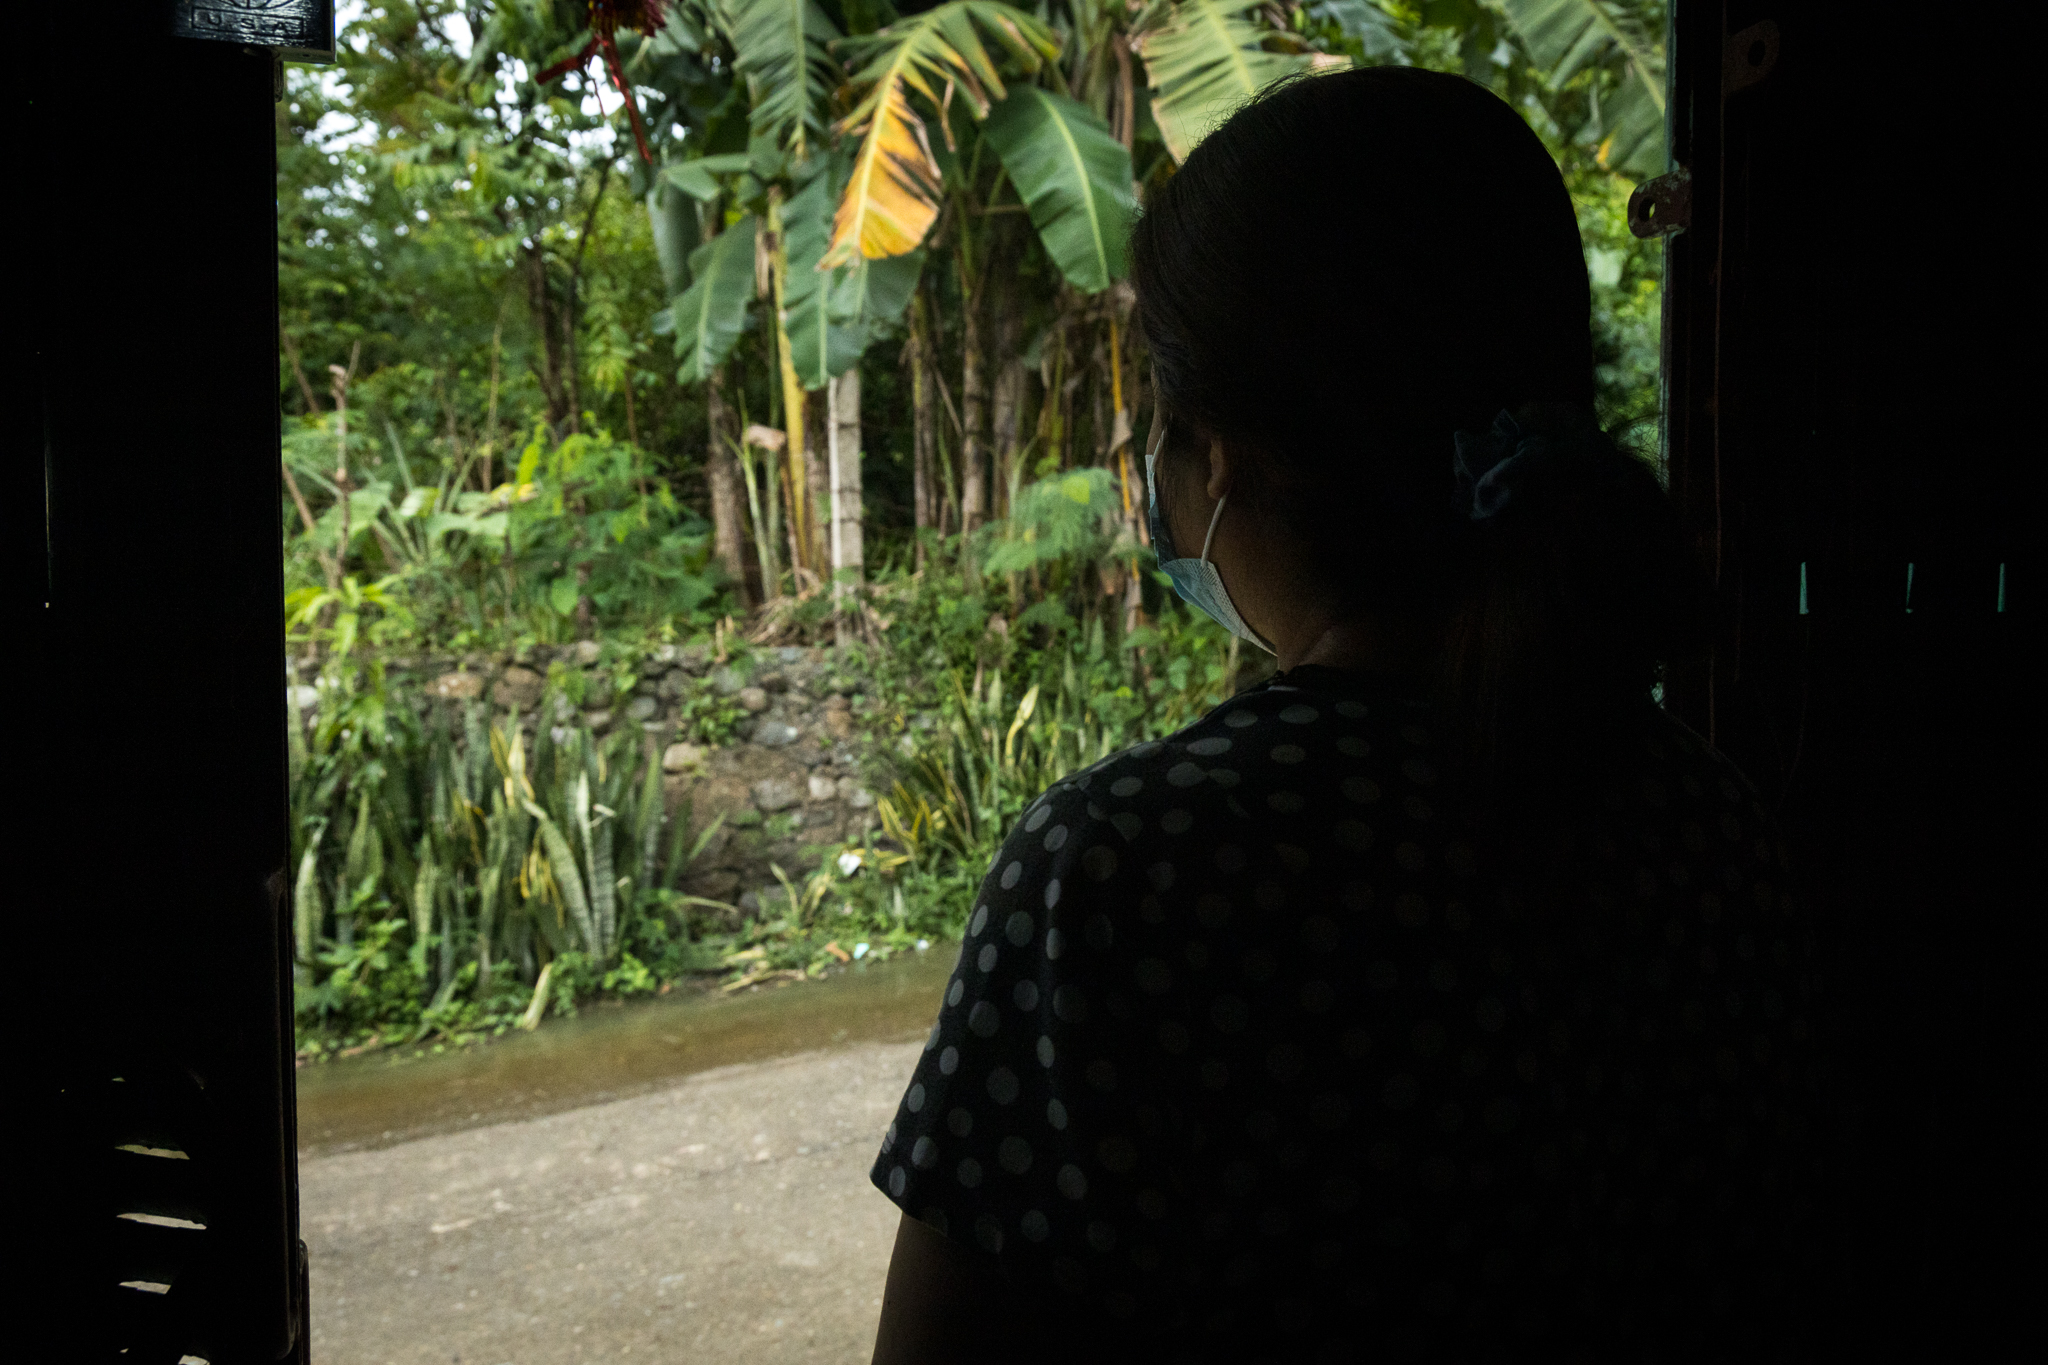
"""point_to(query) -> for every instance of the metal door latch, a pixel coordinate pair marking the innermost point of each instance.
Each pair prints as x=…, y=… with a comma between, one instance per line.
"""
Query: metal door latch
x=1661, y=207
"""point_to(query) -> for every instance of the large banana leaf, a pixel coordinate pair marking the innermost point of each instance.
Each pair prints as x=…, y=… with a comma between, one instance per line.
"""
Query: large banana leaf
x=1203, y=60
x=779, y=47
x=698, y=177
x=1564, y=37
x=833, y=312
x=815, y=342
x=711, y=314
x=1073, y=177
x=876, y=292
x=673, y=220
x=892, y=197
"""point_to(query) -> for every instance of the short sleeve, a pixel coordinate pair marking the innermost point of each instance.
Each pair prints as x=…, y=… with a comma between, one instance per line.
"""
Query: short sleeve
x=1024, y=1128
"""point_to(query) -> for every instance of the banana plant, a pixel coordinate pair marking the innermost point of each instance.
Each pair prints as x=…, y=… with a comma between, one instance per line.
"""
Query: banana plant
x=832, y=312
x=709, y=317
x=1074, y=179
x=893, y=194
x=1623, y=39
x=1205, y=58
x=781, y=50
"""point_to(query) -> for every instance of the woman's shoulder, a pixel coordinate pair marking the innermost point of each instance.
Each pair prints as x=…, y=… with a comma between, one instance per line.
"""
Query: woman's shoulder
x=1280, y=770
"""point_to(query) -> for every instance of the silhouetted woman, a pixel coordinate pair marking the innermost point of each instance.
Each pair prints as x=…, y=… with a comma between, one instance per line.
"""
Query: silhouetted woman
x=1439, y=998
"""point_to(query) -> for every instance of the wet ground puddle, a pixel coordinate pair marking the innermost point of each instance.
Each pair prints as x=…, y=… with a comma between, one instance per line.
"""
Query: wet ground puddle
x=611, y=1052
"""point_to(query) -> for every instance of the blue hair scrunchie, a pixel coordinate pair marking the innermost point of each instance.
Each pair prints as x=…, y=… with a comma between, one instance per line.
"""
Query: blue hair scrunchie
x=1493, y=465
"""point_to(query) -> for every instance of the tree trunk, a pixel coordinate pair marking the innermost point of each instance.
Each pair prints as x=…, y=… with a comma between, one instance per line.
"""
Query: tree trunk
x=843, y=446
x=548, y=361
x=1011, y=392
x=818, y=479
x=973, y=415
x=803, y=522
x=924, y=416
x=722, y=476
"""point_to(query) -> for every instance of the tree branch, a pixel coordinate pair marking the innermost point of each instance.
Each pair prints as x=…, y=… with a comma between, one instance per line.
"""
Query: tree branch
x=327, y=565
x=291, y=350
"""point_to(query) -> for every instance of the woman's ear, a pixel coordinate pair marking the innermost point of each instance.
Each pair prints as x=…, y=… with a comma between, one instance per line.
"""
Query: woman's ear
x=1221, y=467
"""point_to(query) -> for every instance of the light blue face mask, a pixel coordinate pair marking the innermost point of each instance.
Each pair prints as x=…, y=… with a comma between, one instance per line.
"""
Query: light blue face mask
x=1196, y=580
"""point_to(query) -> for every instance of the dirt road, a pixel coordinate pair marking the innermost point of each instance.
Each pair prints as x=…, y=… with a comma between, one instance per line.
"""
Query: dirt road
x=726, y=1218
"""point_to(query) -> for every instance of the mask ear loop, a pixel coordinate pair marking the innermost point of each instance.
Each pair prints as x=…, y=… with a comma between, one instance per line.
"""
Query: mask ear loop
x=1206, y=540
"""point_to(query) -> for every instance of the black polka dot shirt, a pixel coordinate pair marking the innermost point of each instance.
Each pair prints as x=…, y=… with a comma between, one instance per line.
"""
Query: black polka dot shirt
x=1250, y=1047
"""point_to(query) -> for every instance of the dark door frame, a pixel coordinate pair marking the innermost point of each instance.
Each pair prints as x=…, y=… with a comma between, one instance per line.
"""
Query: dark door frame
x=146, y=567
x=1845, y=399
x=1844, y=434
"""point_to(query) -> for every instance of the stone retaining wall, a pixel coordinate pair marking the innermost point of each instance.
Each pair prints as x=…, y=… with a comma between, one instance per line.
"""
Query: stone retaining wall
x=790, y=780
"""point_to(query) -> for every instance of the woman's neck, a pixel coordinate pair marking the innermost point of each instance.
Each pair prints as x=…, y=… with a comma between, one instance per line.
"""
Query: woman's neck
x=1353, y=644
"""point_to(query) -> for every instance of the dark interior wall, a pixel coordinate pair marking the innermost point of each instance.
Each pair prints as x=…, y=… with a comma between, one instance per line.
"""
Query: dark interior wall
x=1851, y=378
x=142, y=503
x=1850, y=373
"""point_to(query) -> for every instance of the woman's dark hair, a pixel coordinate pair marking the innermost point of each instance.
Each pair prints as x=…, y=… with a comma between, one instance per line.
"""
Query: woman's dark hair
x=1348, y=271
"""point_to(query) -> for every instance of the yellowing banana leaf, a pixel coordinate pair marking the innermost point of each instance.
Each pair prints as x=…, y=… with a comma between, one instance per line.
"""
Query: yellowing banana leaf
x=711, y=314
x=1203, y=61
x=892, y=197
x=1074, y=178
x=1564, y=37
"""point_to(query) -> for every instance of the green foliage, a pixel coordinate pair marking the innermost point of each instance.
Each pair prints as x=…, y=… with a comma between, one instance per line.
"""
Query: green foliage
x=578, y=537
x=1623, y=39
x=707, y=715
x=709, y=317
x=1073, y=176
x=1203, y=59
x=441, y=867
x=780, y=49
x=488, y=263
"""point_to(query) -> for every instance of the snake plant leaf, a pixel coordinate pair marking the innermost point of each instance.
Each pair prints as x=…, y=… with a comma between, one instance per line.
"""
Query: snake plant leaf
x=647, y=833
x=1564, y=37
x=423, y=907
x=568, y=876
x=1203, y=60
x=712, y=313
x=779, y=47
x=1074, y=178
x=307, y=910
x=600, y=884
x=892, y=197
x=488, y=882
